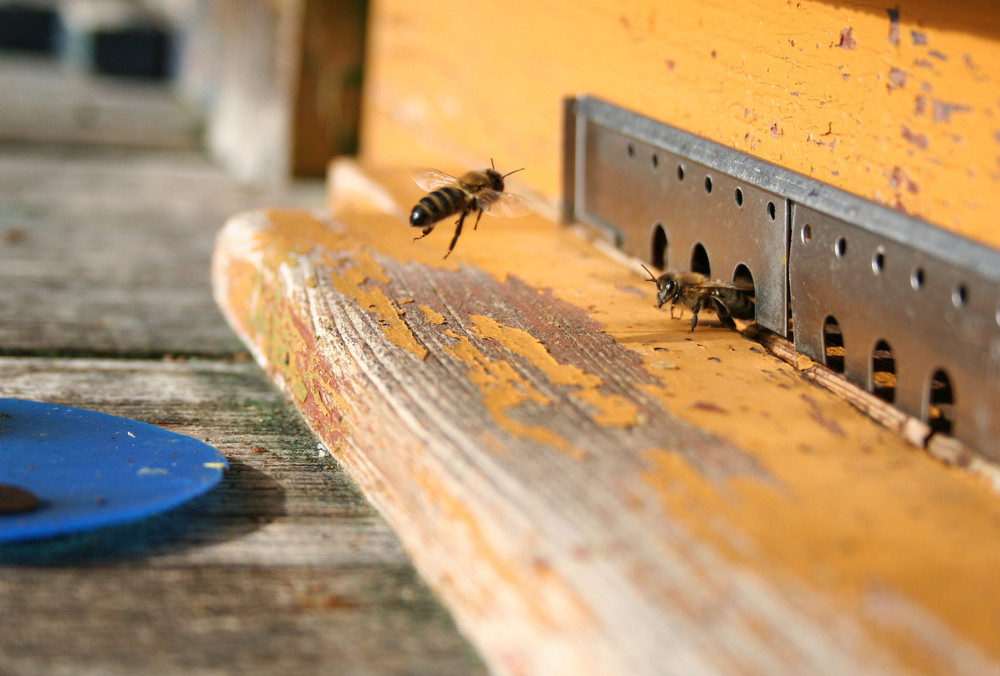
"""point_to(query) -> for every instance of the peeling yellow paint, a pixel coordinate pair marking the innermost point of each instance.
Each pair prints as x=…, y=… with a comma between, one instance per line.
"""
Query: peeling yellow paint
x=851, y=542
x=504, y=389
x=350, y=281
x=523, y=343
x=432, y=315
x=613, y=410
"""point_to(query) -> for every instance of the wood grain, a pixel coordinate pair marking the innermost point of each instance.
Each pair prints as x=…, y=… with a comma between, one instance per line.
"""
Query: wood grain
x=893, y=101
x=108, y=253
x=590, y=487
x=284, y=567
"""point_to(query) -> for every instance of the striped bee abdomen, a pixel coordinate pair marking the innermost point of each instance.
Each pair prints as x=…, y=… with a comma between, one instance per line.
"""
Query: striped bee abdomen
x=439, y=204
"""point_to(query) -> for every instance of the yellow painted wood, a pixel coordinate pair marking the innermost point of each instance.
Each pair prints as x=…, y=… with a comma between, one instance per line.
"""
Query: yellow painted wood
x=902, y=108
x=788, y=533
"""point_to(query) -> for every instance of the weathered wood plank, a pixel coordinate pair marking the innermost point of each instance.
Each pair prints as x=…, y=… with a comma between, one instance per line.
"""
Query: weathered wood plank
x=227, y=620
x=282, y=568
x=590, y=487
x=108, y=253
x=894, y=101
x=49, y=103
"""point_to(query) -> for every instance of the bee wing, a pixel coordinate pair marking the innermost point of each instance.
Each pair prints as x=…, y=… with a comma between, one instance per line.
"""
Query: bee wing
x=715, y=284
x=431, y=179
x=508, y=204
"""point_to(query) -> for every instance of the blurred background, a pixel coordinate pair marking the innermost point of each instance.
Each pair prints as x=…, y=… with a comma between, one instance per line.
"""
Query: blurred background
x=271, y=88
x=130, y=131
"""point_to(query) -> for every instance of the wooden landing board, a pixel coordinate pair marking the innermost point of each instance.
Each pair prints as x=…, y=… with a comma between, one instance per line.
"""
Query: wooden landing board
x=590, y=487
x=282, y=568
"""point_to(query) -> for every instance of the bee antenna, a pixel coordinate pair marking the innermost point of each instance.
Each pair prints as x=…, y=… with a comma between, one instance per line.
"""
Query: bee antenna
x=652, y=277
x=493, y=165
x=512, y=172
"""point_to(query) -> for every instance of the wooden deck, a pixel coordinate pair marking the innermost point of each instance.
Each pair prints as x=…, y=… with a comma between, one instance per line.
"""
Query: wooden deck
x=108, y=213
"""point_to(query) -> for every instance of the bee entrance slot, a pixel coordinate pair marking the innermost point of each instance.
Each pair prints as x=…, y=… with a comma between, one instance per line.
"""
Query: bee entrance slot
x=833, y=345
x=883, y=378
x=815, y=253
x=658, y=249
x=699, y=261
x=940, y=403
x=744, y=278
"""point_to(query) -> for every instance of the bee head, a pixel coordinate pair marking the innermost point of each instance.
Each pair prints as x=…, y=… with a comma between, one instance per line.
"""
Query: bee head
x=496, y=178
x=665, y=286
x=667, y=289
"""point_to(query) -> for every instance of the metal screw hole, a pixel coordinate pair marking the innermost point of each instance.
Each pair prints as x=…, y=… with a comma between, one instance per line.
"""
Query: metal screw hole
x=840, y=248
x=655, y=160
x=738, y=196
x=708, y=184
x=772, y=212
x=917, y=279
x=631, y=150
x=680, y=172
x=878, y=262
x=960, y=296
x=807, y=233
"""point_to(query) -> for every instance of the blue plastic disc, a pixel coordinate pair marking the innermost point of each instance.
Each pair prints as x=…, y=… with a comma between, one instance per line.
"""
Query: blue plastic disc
x=90, y=470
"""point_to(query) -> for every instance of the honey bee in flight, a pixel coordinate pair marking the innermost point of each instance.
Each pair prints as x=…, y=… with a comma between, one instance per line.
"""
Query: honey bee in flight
x=473, y=191
x=696, y=291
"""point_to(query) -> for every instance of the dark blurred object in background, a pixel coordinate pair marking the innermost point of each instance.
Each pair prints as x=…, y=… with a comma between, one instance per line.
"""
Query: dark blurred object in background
x=135, y=51
x=28, y=28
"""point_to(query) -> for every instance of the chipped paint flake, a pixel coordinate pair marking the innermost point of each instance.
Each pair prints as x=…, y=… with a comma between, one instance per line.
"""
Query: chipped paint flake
x=943, y=110
x=355, y=281
x=847, y=40
x=504, y=390
x=612, y=410
x=432, y=315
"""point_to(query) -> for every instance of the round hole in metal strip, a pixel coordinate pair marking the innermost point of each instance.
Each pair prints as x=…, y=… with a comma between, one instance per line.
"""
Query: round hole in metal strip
x=88, y=470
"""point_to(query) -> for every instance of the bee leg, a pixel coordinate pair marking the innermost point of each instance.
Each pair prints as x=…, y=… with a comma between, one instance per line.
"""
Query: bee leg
x=475, y=226
x=722, y=312
x=458, y=231
x=426, y=231
x=724, y=318
x=694, y=317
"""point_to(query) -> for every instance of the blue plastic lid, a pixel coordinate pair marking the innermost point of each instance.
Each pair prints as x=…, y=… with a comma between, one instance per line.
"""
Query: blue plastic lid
x=90, y=470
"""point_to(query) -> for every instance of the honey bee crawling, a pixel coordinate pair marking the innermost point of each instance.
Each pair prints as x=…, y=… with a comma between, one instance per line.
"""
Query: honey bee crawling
x=696, y=291
x=477, y=191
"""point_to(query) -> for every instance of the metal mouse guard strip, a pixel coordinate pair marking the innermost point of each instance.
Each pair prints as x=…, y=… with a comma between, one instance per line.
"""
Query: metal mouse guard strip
x=902, y=308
